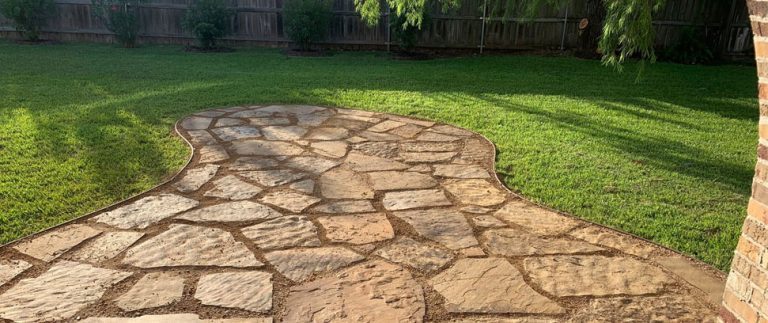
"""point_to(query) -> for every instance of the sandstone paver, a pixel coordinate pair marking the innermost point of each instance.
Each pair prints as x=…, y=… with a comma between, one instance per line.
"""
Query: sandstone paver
x=283, y=133
x=603, y=237
x=237, y=133
x=283, y=232
x=196, y=123
x=232, y=188
x=9, y=269
x=488, y=221
x=175, y=318
x=393, y=180
x=266, y=148
x=513, y=242
x=228, y=122
x=291, y=201
x=53, y=244
x=429, y=157
x=327, y=134
x=535, y=219
x=445, y=226
x=342, y=183
x=429, y=146
x=378, y=148
x=152, y=290
x=231, y=212
x=673, y=308
x=416, y=254
x=365, y=163
x=106, y=246
x=415, y=199
x=299, y=264
x=359, y=206
x=432, y=136
x=202, y=137
x=461, y=171
x=311, y=164
x=250, y=291
x=332, y=149
x=407, y=131
x=146, y=211
x=475, y=191
x=357, y=228
x=213, y=154
x=273, y=177
x=195, y=178
x=306, y=186
x=252, y=163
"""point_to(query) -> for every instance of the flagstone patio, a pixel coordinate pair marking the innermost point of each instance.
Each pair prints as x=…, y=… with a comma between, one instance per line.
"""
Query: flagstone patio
x=314, y=214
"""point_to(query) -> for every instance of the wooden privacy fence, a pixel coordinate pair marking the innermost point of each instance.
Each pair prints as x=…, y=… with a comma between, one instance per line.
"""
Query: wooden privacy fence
x=261, y=21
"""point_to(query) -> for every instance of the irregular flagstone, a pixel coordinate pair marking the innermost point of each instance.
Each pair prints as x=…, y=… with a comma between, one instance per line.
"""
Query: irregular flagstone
x=357, y=228
x=176, y=318
x=422, y=168
x=487, y=221
x=615, y=240
x=475, y=191
x=106, y=246
x=393, y=180
x=423, y=123
x=201, y=137
x=595, y=276
x=360, y=206
x=283, y=232
x=269, y=121
x=54, y=243
x=292, y=109
x=378, y=149
x=490, y=285
x=356, y=139
x=386, y=125
x=306, y=186
x=429, y=146
x=407, y=131
x=415, y=254
x=341, y=183
x=9, y=269
x=210, y=114
x=476, y=209
x=146, y=211
x=191, y=245
x=231, y=212
x=535, y=219
x=451, y=130
x=152, y=290
x=283, y=133
x=445, y=226
x=195, y=178
x=347, y=123
x=232, y=188
x=299, y=264
x=250, y=291
x=196, y=123
x=513, y=242
x=432, y=136
x=332, y=149
x=251, y=113
x=236, y=133
x=311, y=120
x=370, y=292
x=378, y=136
x=266, y=148
x=429, y=157
x=461, y=171
x=252, y=163
x=473, y=252
x=414, y=199
x=228, y=122
x=368, y=119
x=311, y=164
x=273, y=177
x=476, y=150
x=291, y=201
x=365, y=163
x=672, y=308
x=701, y=279
x=212, y=154
x=327, y=134
x=57, y=294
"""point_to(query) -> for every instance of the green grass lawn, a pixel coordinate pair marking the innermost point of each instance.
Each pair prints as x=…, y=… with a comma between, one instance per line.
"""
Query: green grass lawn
x=669, y=158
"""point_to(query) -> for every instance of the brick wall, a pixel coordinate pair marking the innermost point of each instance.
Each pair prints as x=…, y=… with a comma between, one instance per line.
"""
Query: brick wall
x=746, y=292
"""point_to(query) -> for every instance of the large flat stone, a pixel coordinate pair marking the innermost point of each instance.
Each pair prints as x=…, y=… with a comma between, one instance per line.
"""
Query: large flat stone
x=445, y=226
x=429, y=146
x=395, y=180
x=306, y=186
x=407, y=131
x=311, y=164
x=231, y=212
x=451, y=130
x=615, y=240
x=342, y=183
x=106, y=246
x=201, y=137
x=564, y=276
x=535, y=219
x=9, y=269
x=327, y=134
x=461, y=171
x=378, y=148
x=176, y=318
x=671, y=308
x=237, y=133
x=196, y=123
x=433, y=136
x=365, y=163
x=291, y=201
x=378, y=136
x=292, y=109
x=414, y=199
x=475, y=191
x=153, y=290
x=490, y=285
x=232, y=188
x=369, y=292
x=514, y=242
x=191, y=245
x=252, y=163
x=386, y=125
x=357, y=228
x=311, y=120
x=274, y=121
x=300, y=264
x=420, y=256
x=212, y=154
x=332, y=149
x=710, y=284
x=54, y=243
x=283, y=232
x=59, y=293
x=250, y=291
x=283, y=133
x=146, y=211
x=195, y=178
x=228, y=122
x=273, y=177
x=266, y=148
x=429, y=157
x=360, y=206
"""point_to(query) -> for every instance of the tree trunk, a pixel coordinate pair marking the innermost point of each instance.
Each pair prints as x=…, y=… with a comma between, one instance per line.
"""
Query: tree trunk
x=590, y=36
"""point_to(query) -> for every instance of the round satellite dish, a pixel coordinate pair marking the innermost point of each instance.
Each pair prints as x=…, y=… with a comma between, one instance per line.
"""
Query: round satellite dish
x=583, y=23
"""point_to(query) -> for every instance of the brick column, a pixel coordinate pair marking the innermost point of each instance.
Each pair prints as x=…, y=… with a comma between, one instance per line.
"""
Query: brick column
x=746, y=292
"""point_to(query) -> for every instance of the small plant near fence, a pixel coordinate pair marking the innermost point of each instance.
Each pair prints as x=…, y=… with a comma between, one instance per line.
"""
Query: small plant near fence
x=28, y=16
x=120, y=17
x=406, y=35
x=307, y=22
x=208, y=20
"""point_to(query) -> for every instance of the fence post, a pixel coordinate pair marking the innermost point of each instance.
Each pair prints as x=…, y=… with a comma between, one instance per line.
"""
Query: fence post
x=482, y=29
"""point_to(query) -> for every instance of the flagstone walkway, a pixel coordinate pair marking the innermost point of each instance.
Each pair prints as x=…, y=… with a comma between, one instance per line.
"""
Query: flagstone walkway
x=312, y=214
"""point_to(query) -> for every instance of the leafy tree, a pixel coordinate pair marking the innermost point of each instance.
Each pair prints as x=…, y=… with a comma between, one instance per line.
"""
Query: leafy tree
x=28, y=15
x=120, y=17
x=307, y=21
x=208, y=20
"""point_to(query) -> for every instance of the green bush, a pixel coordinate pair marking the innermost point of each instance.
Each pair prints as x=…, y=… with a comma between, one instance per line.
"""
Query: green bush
x=692, y=47
x=28, y=15
x=405, y=34
x=120, y=17
x=208, y=20
x=307, y=21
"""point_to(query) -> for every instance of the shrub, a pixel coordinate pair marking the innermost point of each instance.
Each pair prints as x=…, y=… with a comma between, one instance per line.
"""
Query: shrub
x=307, y=21
x=120, y=17
x=208, y=20
x=28, y=15
x=405, y=34
x=692, y=47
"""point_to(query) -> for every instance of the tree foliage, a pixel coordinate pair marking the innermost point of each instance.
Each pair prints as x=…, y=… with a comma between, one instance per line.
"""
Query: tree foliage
x=208, y=20
x=120, y=17
x=307, y=21
x=28, y=15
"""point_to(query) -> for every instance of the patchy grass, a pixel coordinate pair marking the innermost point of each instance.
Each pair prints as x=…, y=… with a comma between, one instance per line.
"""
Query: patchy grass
x=669, y=158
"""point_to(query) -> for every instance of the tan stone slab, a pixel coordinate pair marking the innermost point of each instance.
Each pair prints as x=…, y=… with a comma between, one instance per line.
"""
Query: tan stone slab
x=365, y=163
x=428, y=157
x=421, y=168
x=595, y=276
x=146, y=211
x=359, y=118
x=432, y=136
x=369, y=292
x=490, y=285
x=300, y=264
x=9, y=269
x=394, y=201
x=357, y=228
x=487, y=221
x=332, y=149
x=353, y=125
x=423, y=123
x=672, y=308
x=236, y=133
x=381, y=149
x=56, y=242
x=327, y=134
x=266, y=148
x=191, y=245
x=501, y=319
x=269, y=121
x=473, y=252
x=451, y=130
x=407, y=131
x=342, y=183
x=153, y=290
x=250, y=291
x=395, y=180
x=477, y=151
x=196, y=123
x=615, y=240
x=461, y=171
x=535, y=219
x=475, y=191
x=201, y=137
x=386, y=125
x=360, y=206
x=311, y=120
x=251, y=113
x=292, y=109
x=306, y=186
x=231, y=212
x=474, y=209
x=311, y=164
x=513, y=242
x=283, y=232
x=195, y=178
x=378, y=136
x=291, y=201
x=106, y=246
x=273, y=177
x=210, y=113
x=445, y=226
x=232, y=188
x=175, y=318
x=420, y=256
x=710, y=284
x=212, y=154
x=429, y=146
x=252, y=163
x=283, y=132
x=59, y=293
x=228, y=122
x=356, y=139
